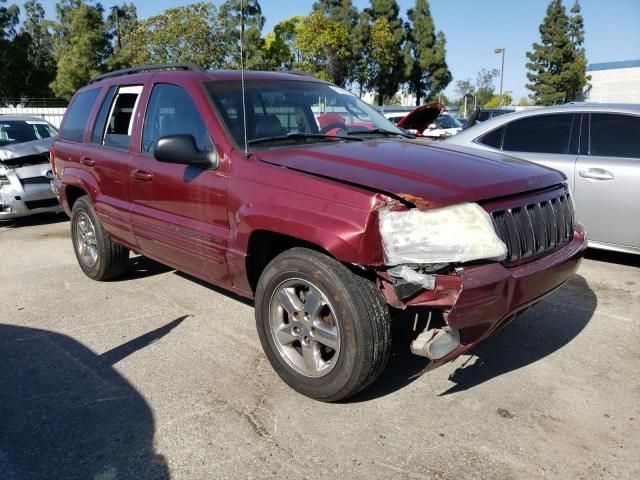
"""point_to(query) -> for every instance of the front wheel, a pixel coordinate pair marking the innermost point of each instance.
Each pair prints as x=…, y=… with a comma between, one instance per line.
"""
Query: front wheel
x=324, y=329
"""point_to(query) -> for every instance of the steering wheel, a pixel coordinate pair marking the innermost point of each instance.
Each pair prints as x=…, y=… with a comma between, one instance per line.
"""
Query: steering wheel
x=331, y=126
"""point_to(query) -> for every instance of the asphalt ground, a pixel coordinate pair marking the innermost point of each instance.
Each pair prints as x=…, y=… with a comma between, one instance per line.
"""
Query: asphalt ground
x=160, y=376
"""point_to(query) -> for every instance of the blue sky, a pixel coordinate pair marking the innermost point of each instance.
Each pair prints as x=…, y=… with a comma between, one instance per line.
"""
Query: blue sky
x=475, y=28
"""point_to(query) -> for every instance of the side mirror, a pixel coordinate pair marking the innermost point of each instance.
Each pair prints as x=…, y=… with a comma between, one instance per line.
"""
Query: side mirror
x=182, y=149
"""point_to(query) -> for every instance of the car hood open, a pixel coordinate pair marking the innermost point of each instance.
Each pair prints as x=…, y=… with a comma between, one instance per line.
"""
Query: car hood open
x=439, y=175
x=421, y=117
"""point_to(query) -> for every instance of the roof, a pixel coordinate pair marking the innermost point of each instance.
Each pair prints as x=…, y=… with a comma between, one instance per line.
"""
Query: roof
x=15, y=116
x=594, y=67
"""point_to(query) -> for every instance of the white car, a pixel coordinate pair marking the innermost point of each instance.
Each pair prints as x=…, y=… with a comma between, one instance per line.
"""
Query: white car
x=25, y=172
x=429, y=121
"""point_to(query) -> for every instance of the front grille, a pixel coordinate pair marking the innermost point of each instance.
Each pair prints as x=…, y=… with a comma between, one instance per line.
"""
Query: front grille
x=534, y=229
x=35, y=180
x=49, y=202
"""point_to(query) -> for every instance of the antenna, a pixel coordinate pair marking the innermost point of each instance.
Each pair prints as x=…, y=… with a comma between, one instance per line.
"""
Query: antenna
x=244, y=107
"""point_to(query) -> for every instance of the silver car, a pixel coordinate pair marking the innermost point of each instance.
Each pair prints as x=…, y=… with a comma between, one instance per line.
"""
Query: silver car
x=25, y=172
x=597, y=146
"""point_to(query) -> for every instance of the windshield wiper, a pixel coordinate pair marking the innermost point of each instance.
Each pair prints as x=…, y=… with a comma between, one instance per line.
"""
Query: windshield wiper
x=382, y=131
x=300, y=135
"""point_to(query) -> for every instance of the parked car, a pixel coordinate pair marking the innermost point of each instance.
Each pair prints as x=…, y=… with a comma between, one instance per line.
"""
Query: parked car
x=597, y=146
x=25, y=172
x=325, y=231
x=483, y=114
x=430, y=121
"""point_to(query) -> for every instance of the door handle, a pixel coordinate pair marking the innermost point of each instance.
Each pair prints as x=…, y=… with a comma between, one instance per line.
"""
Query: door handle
x=142, y=175
x=88, y=161
x=596, y=174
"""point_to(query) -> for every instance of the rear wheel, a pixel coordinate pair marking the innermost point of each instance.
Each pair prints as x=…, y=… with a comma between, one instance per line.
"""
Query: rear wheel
x=98, y=255
x=325, y=330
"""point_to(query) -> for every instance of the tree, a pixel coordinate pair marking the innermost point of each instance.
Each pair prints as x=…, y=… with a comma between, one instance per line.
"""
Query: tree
x=498, y=101
x=38, y=44
x=485, y=89
x=383, y=51
x=121, y=23
x=248, y=20
x=280, y=48
x=426, y=67
x=343, y=12
x=323, y=45
x=9, y=18
x=183, y=34
x=81, y=47
x=557, y=64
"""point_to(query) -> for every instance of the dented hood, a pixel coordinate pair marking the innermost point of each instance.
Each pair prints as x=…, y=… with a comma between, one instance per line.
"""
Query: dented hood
x=441, y=175
x=17, y=150
x=421, y=117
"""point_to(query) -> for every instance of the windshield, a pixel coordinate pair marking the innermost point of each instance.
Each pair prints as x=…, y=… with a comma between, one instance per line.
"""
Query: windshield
x=447, y=121
x=296, y=110
x=20, y=131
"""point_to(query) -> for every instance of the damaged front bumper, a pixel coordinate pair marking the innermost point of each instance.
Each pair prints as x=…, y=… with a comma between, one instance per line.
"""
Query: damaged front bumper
x=476, y=301
x=26, y=191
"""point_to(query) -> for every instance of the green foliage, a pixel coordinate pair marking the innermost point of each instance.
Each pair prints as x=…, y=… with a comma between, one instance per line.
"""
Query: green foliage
x=280, y=49
x=183, y=34
x=82, y=45
x=426, y=69
x=557, y=64
x=37, y=45
x=344, y=67
x=498, y=101
x=232, y=20
x=323, y=44
x=383, y=51
x=121, y=23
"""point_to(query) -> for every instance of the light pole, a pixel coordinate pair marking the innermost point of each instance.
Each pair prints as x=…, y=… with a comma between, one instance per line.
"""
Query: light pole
x=501, y=50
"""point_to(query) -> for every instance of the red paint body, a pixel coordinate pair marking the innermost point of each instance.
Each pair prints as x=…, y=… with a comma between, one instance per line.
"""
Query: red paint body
x=201, y=221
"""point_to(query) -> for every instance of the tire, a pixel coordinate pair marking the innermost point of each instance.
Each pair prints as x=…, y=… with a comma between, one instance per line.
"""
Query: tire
x=99, y=257
x=325, y=330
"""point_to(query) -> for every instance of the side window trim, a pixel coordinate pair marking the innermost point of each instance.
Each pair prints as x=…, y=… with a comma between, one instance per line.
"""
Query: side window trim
x=138, y=89
x=102, y=117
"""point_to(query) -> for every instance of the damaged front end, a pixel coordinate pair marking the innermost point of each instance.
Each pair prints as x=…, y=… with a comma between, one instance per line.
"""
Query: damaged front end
x=451, y=261
x=25, y=180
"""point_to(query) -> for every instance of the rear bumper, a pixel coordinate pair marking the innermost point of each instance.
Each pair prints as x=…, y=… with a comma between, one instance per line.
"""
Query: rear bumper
x=482, y=299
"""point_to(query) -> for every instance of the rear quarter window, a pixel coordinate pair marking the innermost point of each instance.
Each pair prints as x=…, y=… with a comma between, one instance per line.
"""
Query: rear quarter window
x=77, y=116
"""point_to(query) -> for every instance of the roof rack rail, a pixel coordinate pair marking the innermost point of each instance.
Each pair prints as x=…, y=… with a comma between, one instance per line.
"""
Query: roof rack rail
x=146, y=68
x=300, y=73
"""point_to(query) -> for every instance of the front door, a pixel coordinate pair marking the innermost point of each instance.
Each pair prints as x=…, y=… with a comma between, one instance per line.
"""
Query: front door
x=179, y=212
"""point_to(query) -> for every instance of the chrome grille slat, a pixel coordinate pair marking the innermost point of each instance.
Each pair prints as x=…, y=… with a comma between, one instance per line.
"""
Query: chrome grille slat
x=533, y=229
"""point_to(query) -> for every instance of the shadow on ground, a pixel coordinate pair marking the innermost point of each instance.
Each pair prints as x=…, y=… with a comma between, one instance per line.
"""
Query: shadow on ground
x=613, y=257
x=31, y=220
x=67, y=413
x=546, y=328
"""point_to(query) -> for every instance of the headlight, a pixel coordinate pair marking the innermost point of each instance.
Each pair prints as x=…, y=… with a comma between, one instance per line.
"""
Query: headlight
x=459, y=233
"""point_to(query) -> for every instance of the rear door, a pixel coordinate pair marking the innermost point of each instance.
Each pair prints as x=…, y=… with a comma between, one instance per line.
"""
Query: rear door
x=607, y=182
x=179, y=212
x=109, y=157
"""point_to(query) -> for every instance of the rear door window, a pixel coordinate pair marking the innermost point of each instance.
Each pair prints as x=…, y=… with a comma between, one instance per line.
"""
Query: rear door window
x=171, y=111
x=615, y=135
x=77, y=116
x=539, y=134
x=117, y=133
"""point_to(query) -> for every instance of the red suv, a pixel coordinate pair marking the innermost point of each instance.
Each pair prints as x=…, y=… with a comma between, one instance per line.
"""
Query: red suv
x=291, y=191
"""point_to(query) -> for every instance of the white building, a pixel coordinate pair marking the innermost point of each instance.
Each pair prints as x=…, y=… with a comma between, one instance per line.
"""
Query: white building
x=615, y=82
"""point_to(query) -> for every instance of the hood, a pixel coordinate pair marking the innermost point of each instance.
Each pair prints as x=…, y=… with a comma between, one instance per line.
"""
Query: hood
x=440, y=175
x=17, y=150
x=421, y=117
